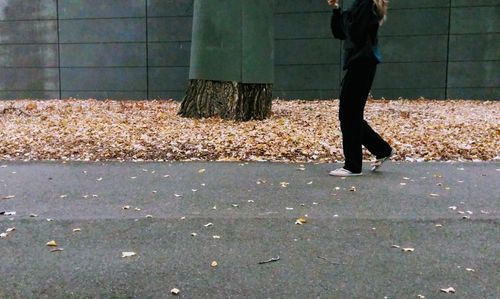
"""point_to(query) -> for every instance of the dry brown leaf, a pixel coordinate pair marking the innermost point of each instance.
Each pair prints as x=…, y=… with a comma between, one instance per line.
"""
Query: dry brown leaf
x=301, y=221
x=51, y=243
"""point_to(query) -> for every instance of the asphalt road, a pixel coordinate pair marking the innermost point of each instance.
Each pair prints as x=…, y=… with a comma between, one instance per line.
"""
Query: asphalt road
x=346, y=248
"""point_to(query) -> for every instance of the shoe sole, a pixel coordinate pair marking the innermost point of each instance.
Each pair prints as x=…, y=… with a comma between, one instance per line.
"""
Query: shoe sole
x=346, y=175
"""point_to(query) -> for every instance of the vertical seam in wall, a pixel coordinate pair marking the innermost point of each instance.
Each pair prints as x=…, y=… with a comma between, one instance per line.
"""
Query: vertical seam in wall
x=147, y=50
x=447, y=53
x=58, y=51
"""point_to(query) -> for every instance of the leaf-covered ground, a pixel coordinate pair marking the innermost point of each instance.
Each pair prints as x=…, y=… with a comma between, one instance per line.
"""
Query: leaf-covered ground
x=419, y=130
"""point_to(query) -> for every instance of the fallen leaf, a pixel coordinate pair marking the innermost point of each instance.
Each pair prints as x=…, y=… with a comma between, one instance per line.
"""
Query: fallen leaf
x=31, y=106
x=352, y=189
x=57, y=249
x=452, y=208
x=201, y=170
x=208, y=224
x=271, y=260
x=10, y=229
x=99, y=179
x=439, y=225
x=448, y=290
x=33, y=215
x=214, y=264
x=301, y=221
x=395, y=246
x=407, y=249
x=8, y=197
x=194, y=234
x=149, y=216
x=128, y=254
x=434, y=195
x=310, y=183
x=51, y=243
x=175, y=291
x=470, y=270
x=76, y=230
x=177, y=195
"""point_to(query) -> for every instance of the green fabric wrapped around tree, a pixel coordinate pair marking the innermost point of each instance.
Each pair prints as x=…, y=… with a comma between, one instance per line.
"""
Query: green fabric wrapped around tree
x=232, y=60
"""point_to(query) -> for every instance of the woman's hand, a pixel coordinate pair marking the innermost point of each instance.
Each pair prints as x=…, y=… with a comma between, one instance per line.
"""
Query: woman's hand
x=333, y=3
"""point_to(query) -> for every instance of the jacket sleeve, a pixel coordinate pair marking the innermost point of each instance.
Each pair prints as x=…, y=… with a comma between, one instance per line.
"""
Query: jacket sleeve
x=362, y=18
x=337, y=24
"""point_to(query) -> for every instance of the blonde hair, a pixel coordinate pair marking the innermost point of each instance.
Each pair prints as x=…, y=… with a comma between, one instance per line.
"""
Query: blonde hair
x=381, y=6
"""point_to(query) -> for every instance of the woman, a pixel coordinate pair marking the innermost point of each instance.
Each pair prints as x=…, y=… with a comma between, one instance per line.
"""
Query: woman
x=358, y=27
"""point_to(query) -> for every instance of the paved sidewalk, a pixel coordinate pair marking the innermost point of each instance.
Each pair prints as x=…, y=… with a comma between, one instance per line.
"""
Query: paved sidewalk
x=344, y=250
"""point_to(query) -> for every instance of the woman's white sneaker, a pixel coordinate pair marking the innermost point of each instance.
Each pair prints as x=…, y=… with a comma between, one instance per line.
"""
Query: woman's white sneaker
x=378, y=163
x=343, y=173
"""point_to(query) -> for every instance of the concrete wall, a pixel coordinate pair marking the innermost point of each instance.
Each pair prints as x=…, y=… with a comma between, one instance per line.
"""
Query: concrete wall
x=138, y=49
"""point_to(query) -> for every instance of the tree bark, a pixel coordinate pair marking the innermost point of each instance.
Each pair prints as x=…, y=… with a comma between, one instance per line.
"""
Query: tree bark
x=227, y=99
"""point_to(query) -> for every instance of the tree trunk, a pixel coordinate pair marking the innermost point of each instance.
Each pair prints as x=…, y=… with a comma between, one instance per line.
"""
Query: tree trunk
x=227, y=99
